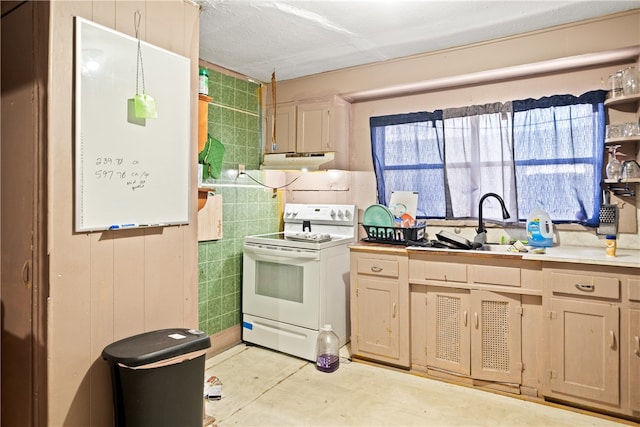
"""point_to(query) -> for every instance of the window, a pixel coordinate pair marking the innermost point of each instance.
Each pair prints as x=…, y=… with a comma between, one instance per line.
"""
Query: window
x=543, y=153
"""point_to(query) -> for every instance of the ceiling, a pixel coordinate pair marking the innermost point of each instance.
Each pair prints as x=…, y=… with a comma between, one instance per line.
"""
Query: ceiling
x=297, y=38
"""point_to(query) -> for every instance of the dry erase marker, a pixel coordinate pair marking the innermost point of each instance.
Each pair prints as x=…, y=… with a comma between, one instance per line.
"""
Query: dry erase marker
x=117, y=227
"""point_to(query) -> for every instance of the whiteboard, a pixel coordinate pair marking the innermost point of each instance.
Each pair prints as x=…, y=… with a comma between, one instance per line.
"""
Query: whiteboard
x=129, y=172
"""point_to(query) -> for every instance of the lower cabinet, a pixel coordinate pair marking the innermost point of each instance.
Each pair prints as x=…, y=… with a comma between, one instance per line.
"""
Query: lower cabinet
x=474, y=333
x=584, y=350
x=632, y=353
x=634, y=359
x=592, y=329
x=380, y=307
x=465, y=317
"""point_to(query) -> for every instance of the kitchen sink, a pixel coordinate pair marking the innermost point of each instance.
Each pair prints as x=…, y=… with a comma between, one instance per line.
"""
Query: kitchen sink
x=495, y=247
x=500, y=248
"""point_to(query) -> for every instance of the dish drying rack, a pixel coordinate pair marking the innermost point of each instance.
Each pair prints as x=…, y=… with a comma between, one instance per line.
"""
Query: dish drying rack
x=395, y=235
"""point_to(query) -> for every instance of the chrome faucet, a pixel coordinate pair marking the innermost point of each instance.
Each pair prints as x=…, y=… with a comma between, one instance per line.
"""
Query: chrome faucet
x=481, y=237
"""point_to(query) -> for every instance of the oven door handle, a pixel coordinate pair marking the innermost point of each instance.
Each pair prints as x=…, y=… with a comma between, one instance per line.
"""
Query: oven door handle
x=277, y=254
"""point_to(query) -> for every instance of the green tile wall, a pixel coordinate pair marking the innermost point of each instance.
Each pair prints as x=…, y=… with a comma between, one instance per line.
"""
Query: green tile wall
x=234, y=120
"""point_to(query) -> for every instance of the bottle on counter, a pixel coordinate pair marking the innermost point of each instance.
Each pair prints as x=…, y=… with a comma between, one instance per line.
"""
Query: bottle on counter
x=539, y=229
x=611, y=243
x=327, y=350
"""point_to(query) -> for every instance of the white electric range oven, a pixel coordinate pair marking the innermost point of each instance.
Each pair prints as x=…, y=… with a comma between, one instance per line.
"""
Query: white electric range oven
x=296, y=281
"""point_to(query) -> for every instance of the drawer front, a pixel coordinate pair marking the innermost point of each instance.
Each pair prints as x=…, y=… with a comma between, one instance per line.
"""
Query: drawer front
x=378, y=267
x=634, y=289
x=493, y=275
x=585, y=285
x=442, y=271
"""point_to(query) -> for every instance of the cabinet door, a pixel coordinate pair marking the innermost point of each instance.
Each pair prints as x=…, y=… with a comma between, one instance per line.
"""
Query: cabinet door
x=634, y=359
x=496, y=337
x=448, y=342
x=283, y=117
x=584, y=350
x=313, y=127
x=377, y=317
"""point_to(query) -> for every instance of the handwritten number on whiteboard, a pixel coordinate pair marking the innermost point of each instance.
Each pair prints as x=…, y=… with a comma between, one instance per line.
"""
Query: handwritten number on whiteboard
x=117, y=169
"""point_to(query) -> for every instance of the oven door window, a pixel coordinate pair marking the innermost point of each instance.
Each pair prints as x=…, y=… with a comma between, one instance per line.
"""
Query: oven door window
x=280, y=281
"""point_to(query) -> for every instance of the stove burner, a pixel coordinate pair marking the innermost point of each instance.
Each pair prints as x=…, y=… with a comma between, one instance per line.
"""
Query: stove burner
x=309, y=237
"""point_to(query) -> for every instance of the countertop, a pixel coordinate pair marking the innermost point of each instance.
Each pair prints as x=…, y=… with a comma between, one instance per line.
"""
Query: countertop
x=568, y=254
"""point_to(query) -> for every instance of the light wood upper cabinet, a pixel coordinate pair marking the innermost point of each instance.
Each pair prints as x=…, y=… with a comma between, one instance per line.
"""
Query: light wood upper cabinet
x=380, y=307
x=282, y=138
x=312, y=126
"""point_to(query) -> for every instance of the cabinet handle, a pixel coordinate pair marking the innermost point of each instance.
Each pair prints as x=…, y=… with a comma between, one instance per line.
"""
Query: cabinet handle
x=394, y=310
x=585, y=287
x=26, y=273
x=612, y=345
x=637, y=350
x=465, y=318
x=475, y=315
x=376, y=269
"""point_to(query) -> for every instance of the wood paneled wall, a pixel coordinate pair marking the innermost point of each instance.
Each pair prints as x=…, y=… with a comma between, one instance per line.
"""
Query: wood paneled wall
x=105, y=286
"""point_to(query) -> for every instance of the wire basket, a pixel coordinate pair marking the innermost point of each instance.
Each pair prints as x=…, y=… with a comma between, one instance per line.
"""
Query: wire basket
x=395, y=235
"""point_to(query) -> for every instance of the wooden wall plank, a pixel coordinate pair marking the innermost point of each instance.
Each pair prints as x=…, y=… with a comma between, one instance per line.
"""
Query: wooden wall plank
x=104, y=13
x=125, y=23
x=164, y=286
x=168, y=37
x=128, y=283
x=101, y=322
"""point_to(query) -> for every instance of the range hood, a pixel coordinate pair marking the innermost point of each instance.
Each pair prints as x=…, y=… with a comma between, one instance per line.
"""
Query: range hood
x=297, y=161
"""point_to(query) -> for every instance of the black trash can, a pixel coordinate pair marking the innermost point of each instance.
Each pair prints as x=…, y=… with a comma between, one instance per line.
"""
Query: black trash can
x=158, y=378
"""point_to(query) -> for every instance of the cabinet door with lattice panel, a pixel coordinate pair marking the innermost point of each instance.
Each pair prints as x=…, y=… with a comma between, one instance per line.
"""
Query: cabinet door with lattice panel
x=448, y=343
x=496, y=336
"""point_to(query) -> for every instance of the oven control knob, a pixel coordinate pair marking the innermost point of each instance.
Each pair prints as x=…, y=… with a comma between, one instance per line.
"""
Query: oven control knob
x=347, y=214
x=340, y=214
x=333, y=213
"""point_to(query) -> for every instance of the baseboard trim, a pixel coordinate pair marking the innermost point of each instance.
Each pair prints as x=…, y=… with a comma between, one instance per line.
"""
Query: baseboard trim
x=224, y=340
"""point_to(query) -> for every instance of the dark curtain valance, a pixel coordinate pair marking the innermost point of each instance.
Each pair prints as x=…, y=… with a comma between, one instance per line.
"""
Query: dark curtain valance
x=593, y=97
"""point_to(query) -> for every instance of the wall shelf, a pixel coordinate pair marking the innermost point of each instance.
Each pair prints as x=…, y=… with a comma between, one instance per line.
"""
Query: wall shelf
x=621, y=140
x=620, y=100
x=622, y=181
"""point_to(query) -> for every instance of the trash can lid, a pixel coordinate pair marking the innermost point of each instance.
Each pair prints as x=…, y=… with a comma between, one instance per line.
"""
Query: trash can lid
x=155, y=346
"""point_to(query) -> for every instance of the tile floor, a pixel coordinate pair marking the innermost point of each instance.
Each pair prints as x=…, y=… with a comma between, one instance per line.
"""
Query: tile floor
x=266, y=388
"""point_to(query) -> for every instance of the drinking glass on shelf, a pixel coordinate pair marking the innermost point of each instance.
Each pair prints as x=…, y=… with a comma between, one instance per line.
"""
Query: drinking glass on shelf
x=630, y=81
x=615, y=84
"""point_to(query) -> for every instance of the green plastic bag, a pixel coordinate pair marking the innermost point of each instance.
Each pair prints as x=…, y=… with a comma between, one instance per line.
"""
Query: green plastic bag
x=211, y=157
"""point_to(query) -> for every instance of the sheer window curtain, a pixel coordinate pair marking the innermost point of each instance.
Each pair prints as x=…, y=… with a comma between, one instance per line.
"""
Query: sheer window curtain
x=559, y=146
x=479, y=159
x=408, y=155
